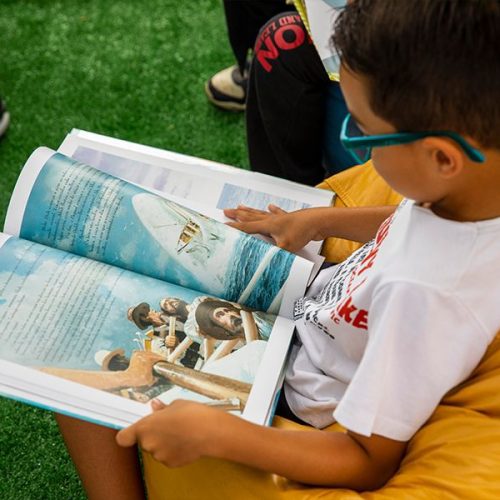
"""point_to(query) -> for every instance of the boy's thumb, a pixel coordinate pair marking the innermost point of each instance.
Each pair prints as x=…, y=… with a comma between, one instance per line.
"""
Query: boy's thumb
x=126, y=437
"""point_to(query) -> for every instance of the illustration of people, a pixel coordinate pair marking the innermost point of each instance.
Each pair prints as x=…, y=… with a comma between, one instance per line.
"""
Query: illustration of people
x=136, y=378
x=145, y=317
x=209, y=326
x=223, y=320
x=117, y=361
x=172, y=306
x=212, y=322
x=166, y=337
x=139, y=373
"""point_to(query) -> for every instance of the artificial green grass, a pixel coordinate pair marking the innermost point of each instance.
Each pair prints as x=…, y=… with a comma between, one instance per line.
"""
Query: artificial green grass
x=124, y=68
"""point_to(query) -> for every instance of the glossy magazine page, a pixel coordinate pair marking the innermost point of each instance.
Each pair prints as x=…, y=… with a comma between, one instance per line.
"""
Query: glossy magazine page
x=99, y=342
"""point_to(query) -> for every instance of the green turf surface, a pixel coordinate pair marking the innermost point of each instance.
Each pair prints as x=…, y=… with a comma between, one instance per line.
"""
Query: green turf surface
x=125, y=68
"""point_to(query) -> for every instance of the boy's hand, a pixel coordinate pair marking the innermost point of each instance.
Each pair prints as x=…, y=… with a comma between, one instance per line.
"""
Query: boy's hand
x=290, y=230
x=184, y=431
x=175, y=435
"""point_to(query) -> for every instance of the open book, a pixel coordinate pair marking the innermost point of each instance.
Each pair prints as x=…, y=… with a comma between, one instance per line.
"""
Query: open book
x=115, y=291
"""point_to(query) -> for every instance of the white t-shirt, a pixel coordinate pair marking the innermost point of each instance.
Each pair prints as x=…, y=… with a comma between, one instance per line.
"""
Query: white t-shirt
x=384, y=335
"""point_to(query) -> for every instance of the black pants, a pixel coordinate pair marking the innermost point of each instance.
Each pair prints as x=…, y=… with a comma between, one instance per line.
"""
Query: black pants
x=244, y=18
x=290, y=133
x=286, y=103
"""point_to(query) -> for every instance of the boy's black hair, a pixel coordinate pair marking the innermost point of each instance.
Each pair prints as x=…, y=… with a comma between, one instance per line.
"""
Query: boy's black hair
x=430, y=64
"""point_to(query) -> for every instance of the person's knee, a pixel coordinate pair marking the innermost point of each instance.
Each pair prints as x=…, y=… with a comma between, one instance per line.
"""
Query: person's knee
x=279, y=39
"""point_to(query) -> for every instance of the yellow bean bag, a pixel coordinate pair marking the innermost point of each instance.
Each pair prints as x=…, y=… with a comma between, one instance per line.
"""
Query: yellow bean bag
x=455, y=455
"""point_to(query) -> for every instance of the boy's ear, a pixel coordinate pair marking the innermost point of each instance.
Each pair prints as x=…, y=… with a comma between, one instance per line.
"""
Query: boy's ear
x=445, y=155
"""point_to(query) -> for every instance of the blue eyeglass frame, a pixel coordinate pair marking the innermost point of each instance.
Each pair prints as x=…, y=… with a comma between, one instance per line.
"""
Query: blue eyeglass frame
x=368, y=142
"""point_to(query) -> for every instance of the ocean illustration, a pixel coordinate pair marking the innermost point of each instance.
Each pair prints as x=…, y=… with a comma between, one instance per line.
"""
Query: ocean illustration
x=191, y=239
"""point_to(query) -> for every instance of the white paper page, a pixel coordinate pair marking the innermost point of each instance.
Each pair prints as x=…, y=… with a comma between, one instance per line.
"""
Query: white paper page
x=3, y=238
x=268, y=379
x=207, y=182
x=54, y=393
x=296, y=284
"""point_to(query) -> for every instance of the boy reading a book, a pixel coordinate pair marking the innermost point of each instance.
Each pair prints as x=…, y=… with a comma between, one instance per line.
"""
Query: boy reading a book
x=384, y=335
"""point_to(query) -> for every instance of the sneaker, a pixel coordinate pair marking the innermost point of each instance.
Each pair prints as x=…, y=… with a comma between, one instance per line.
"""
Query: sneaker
x=227, y=89
x=4, y=118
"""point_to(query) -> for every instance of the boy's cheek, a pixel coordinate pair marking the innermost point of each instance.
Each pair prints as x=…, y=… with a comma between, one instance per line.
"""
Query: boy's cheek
x=381, y=165
x=394, y=165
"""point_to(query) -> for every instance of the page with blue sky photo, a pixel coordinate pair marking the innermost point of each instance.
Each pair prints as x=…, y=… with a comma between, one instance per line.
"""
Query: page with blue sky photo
x=62, y=203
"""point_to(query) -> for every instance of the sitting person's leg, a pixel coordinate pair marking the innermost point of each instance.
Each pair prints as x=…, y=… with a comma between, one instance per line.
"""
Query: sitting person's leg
x=227, y=89
x=107, y=471
x=286, y=103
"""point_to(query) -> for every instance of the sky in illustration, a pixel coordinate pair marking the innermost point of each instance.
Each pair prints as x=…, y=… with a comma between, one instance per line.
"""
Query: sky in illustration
x=59, y=309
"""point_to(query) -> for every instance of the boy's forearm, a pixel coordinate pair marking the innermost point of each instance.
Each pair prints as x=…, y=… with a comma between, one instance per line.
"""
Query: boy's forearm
x=293, y=230
x=356, y=224
x=313, y=457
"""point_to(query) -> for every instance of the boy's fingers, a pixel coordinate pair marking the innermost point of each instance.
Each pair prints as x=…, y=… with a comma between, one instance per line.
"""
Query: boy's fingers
x=230, y=212
x=157, y=405
x=127, y=437
x=274, y=209
x=242, y=212
x=248, y=227
x=244, y=208
x=251, y=216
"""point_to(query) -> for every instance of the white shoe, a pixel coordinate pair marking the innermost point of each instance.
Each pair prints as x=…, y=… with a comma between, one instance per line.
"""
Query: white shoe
x=227, y=89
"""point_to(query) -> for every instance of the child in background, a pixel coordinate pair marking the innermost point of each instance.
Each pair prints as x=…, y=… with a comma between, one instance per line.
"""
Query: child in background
x=384, y=335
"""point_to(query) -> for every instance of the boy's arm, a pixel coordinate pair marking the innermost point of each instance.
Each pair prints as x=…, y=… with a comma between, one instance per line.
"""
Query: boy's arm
x=293, y=230
x=185, y=431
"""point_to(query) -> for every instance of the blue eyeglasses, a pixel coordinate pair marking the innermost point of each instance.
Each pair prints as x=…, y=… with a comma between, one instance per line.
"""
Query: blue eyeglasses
x=360, y=145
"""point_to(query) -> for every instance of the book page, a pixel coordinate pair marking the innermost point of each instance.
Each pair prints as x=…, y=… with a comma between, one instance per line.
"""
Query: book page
x=216, y=185
x=202, y=185
x=71, y=206
x=69, y=321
